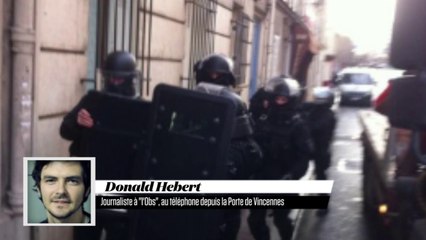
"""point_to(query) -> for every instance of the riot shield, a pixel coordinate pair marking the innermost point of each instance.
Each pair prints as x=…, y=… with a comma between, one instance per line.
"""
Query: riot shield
x=119, y=133
x=190, y=138
x=118, y=136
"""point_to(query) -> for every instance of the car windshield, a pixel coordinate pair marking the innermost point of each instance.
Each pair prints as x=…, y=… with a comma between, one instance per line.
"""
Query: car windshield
x=357, y=78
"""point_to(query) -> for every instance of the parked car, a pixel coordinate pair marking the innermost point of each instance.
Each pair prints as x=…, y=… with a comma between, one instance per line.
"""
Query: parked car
x=355, y=86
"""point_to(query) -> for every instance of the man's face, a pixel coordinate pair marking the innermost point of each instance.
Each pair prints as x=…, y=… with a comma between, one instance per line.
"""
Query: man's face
x=214, y=75
x=116, y=81
x=281, y=100
x=62, y=188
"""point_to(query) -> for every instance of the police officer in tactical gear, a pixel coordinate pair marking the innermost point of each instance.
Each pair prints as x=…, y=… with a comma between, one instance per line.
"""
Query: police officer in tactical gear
x=322, y=122
x=119, y=72
x=259, y=104
x=215, y=69
x=244, y=156
x=286, y=144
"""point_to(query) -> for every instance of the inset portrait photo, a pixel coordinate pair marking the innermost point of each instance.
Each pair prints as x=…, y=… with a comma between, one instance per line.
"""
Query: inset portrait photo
x=59, y=191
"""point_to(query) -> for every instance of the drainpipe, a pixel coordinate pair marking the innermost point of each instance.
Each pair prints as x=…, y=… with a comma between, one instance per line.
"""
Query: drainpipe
x=23, y=44
x=269, y=47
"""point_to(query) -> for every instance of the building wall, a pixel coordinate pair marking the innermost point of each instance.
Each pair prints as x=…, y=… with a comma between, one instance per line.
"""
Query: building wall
x=249, y=10
x=224, y=42
x=62, y=60
x=10, y=218
x=4, y=94
x=265, y=45
x=61, y=63
x=321, y=69
x=5, y=220
x=167, y=43
x=222, y=38
x=260, y=14
x=243, y=88
x=280, y=49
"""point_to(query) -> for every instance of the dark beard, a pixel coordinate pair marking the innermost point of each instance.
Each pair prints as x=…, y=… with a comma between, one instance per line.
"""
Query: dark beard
x=66, y=216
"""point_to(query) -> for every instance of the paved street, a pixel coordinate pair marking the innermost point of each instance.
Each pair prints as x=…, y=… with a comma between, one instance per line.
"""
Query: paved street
x=345, y=219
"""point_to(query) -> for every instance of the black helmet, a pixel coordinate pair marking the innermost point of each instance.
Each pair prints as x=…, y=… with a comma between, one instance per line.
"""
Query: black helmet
x=215, y=63
x=283, y=86
x=323, y=96
x=283, y=97
x=120, y=65
x=242, y=127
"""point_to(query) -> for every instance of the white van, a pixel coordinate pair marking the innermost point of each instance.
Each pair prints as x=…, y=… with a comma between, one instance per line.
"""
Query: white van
x=355, y=86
